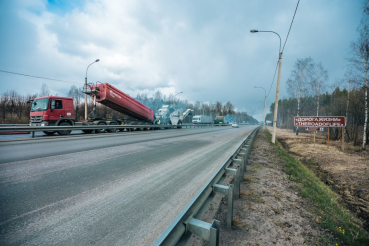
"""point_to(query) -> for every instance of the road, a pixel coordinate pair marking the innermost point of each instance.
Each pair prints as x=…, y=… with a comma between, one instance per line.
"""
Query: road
x=112, y=189
x=29, y=135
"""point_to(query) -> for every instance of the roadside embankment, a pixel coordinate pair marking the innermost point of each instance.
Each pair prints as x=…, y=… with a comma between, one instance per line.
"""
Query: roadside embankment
x=284, y=203
x=345, y=172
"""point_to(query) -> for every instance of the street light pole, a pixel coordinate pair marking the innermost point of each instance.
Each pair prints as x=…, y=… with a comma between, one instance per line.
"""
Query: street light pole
x=278, y=82
x=175, y=98
x=97, y=60
x=276, y=99
x=265, y=99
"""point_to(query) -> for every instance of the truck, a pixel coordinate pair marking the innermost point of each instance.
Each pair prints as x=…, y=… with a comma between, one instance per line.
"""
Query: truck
x=59, y=111
x=202, y=119
x=219, y=120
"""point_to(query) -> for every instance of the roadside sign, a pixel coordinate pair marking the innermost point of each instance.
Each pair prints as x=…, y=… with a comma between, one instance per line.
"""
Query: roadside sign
x=320, y=121
x=314, y=129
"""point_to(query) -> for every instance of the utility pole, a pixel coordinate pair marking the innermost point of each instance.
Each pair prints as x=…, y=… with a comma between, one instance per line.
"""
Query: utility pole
x=97, y=60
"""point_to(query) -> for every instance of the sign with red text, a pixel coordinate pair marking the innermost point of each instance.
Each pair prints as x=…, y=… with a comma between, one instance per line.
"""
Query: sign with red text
x=320, y=121
x=321, y=129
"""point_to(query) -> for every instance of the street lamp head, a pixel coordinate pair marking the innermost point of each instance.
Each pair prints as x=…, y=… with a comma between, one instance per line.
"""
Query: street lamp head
x=97, y=60
x=253, y=31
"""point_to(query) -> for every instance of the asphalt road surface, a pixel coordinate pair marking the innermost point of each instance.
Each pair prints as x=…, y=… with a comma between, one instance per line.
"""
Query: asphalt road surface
x=108, y=189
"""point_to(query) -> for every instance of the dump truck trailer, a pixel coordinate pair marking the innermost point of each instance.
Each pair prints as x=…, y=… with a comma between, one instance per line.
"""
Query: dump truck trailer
x=113, y=98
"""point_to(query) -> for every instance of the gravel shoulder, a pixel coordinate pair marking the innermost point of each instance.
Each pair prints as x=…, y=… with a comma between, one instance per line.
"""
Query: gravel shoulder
x=270, y=211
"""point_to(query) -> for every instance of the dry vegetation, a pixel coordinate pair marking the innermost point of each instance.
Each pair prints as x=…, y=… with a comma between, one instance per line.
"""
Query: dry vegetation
x=347, y=172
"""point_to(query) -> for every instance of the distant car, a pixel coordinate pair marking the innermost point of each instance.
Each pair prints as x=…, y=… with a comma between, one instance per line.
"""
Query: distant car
x=235, y=125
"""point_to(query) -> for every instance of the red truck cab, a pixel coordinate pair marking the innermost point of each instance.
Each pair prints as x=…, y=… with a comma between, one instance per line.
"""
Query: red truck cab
x=51, y=111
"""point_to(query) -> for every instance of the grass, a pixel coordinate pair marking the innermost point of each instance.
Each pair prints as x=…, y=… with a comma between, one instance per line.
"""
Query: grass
x=364, y=174
x=238, y=222
x=255, y=168
x=334, y=216
x=251, y=196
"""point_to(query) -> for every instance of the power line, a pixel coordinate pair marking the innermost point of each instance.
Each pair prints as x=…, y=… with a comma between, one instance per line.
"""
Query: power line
x=41, y=77
x=291, y=25
x=275, y=72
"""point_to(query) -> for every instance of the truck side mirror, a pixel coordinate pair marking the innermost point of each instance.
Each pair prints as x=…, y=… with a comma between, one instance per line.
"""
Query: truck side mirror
x=52, y=104
x=29, y=101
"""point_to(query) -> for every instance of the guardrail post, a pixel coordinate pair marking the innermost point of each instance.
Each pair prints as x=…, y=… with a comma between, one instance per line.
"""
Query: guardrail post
x=227, y=191
x=208, y=232
x=245, y=149
x=243, y=157
x=33, y=134
x=248, y=150
x=236, y=173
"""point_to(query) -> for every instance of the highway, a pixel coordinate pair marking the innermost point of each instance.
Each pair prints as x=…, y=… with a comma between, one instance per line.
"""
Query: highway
x=106, y=189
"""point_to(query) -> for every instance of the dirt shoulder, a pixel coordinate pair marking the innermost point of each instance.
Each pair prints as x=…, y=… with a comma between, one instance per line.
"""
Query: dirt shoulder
x=270, y=210
x=347, y=173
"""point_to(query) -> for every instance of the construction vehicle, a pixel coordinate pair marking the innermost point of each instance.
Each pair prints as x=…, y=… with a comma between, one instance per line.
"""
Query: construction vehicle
x=59, y=111
x=167, y=115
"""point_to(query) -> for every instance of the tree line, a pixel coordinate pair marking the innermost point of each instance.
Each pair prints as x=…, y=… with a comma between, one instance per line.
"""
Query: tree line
x=312, y=95
x=338, y=102
x=15, y=110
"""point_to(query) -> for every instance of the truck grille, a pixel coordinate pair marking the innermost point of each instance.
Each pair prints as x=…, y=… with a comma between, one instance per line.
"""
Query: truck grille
x=35, y=119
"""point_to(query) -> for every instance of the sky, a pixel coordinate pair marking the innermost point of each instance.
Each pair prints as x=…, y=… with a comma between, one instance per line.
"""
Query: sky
x=201, y=48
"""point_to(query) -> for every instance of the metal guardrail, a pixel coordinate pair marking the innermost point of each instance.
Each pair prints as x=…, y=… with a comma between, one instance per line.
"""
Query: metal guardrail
x=34, y=129
x=188, y=221
x=5, y=125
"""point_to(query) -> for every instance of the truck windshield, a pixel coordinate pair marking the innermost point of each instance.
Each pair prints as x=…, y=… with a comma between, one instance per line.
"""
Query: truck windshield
x=196, y=118
x=40, y=105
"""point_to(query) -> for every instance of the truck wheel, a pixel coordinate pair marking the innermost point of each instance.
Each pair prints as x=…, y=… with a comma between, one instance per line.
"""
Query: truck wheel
x=101, y=130
x=148, y=128
x=179, y=125
x=87, y=131
x=168, y=124
x=112, y=129
x=64, y=132
x=49, y=133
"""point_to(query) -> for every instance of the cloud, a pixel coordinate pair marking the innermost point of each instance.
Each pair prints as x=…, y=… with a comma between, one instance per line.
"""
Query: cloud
x=201, y=48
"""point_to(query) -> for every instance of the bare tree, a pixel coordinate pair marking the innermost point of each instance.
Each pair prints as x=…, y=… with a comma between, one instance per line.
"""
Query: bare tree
x=299, y=80
x=218, y=108
x=359, y=58
x=158, y=98
x=318, y=84
x=44, y=90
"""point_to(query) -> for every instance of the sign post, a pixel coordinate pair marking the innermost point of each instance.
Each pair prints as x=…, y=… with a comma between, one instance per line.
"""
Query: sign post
x=328, y=139
x=317, y=123
x=343, y=140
